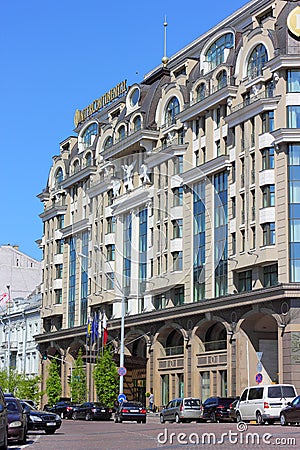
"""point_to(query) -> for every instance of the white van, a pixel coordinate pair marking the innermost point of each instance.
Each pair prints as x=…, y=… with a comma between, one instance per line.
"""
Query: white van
x=264, y=403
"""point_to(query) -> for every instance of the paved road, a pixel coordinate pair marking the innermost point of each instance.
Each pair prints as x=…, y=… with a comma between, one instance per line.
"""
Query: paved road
x=81, y=435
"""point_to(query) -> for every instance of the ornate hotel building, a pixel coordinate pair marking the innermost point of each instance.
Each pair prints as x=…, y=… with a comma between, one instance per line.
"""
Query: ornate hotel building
x=182, y=194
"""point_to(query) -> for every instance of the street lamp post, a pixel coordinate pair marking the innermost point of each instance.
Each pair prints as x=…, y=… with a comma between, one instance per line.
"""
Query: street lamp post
x=121, y=385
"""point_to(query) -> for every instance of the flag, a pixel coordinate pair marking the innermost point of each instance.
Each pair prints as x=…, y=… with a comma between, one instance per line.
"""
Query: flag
x=4, y=298
x=88, y=328
x=100, y=325
x=95, y=327
x=105, y=332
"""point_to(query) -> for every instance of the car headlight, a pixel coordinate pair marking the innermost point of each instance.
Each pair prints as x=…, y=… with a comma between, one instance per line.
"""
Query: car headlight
x=36, y=419
x=15, y=424
x=57, y=417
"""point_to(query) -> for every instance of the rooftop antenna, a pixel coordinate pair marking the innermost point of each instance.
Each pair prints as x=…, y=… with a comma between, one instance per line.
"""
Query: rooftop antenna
x=165, y=59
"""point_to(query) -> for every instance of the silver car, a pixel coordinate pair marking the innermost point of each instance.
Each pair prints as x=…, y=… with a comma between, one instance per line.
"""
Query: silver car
x=182, y=410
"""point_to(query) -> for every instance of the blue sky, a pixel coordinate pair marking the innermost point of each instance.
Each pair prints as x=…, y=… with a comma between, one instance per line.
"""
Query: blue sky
x=58, y=56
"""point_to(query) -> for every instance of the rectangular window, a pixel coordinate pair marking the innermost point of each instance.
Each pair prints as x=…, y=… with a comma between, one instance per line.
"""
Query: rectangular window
x=242, y=172
x=268, y=195
x=243, y=208
x=270, y=275
x=293, y=113
x=178, y=196
x=267, y=121
x=110, y=197
x=110, y=251
x=111, y=224
x=177, y=261
x=233, y=207
x=58, y=271
x=268, y=233
x=233, y=243
x=293, y=80
x=177, y=228
x=110, y=281
x=58, y=296
x=60, y=246
x=245, y=281
x=242, y=240
x=179, y=296
x=268, y=158
x=60, y=221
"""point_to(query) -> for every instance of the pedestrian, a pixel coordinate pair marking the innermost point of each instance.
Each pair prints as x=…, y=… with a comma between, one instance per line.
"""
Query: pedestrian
x=151, y=401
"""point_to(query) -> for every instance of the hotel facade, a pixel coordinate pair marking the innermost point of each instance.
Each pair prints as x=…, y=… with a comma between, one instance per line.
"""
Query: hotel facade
x=181, y=195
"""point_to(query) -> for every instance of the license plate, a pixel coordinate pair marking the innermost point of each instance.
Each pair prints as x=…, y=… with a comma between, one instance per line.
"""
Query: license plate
x=51, y=424
x=102, y=410
x=134, y=411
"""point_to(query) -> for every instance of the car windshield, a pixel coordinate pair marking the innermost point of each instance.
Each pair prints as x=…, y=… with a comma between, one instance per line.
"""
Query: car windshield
x=12, y=406
x=126, y=404
x=27, y=406
x=192, y=402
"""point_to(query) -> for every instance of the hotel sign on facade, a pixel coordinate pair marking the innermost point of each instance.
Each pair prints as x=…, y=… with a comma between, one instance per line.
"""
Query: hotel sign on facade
x=101, y=102
x=293, y=21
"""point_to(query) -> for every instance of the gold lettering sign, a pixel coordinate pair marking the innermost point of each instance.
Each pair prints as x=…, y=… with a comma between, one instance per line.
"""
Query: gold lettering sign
x=101, y=102
x=293, y=21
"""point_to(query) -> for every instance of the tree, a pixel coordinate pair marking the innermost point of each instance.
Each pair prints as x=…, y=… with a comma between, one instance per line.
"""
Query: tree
x=21, y=385
x=78, y=381
x=53, y=383
x=106, y=378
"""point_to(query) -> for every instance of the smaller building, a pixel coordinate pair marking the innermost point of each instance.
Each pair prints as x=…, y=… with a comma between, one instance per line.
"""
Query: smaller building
x=19, y=323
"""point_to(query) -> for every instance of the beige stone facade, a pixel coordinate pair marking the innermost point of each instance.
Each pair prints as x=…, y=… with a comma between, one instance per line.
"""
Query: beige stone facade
x=181, y=194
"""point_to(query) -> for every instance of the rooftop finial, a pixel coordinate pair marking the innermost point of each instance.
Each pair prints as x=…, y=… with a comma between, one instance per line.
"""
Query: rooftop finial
x=165, y=59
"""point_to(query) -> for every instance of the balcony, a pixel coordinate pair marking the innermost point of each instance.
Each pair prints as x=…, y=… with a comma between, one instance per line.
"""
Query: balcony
x=171, y=358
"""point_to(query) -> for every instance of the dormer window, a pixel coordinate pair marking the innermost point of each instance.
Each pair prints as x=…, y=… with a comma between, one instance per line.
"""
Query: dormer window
x=89, y=135
x=257, y=61
x=222, y=79
x=216, y=52
x=137, y=123
x=59, y=176
x=108, y=143
x=171, y=111
x=201, y=90
x=121, y=133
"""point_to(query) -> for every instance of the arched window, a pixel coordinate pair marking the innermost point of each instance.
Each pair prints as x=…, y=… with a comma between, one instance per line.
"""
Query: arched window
x=108, y=143
x=215, y=54
x=137, y=123
x=171, y=111
x=76, y=166
x=257, y=60
x=88, y=159
x=87, y=137
x=222, y=79
x=201, y=92
x=121, y=133
x=59, y=176
x=216, y=337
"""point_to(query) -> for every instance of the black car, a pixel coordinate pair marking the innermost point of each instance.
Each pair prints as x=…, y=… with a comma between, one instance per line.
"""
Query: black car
x=91, y=411
x=291, y=413
x=131, y=411
x=41, y=420
x=232, y=410
x=17, y=420
x=63, y=408
x=216, y=409
x=3, y=422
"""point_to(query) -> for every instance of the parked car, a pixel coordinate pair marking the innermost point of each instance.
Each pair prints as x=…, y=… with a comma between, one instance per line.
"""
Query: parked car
x=91, y=411
x=216, y=409
x=41, y=420
x=264, y=403
x=132, y=411
x=30, y=402
x=63, y=408
x=3, y=422
x=17, y=420
x=181, y=410
x=291, y=413
x=232, y=410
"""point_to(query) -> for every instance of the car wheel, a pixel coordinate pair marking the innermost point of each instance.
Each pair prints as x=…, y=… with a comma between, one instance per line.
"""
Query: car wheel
x=74, y=416
x=283, y=420
x=144, y=421
x=259, y=419
x=24, y=437
x=238, y=417
x=87, y=416
x=177, y=420
x=49, y=431
x=4, y=446
x=161, y=419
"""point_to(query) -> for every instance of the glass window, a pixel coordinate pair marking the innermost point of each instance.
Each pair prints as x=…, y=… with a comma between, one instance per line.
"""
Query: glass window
x=293, y=81
x=293, y=116
x=177, y=196
x=58, y=271
x=111, y=224
x=108, y=142
x=88, y=135
x=134, y=98
x=171, y=111
x=268, y=158
x=270, y=274
x=110, y=252
x=215, y=54
x=110, y=281
x=59, y=176
x=177, y=261
x=201, y=91
x=267, y=121
x=88, y=159
x=268, y=233
x=58, y=296
x=137, y=123
x=222, y=79
x=257, y=60
x=245, y=281
x=179, y=296
x=268, y=195
x=121, y=133
x=177, y=228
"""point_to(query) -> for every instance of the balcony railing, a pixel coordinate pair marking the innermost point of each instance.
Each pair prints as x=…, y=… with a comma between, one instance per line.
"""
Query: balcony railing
x=210, y=346
x=229, y=81
x=172, y=351
x=267, y=93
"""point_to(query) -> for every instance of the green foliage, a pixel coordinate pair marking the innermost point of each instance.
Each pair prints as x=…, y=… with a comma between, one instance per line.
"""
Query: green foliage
x=21, y=385
x=53, y=383
x=78, y=381
x=106, y=378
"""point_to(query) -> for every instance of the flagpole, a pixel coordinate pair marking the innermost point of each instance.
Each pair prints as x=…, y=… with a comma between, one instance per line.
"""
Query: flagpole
x=122, y=342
